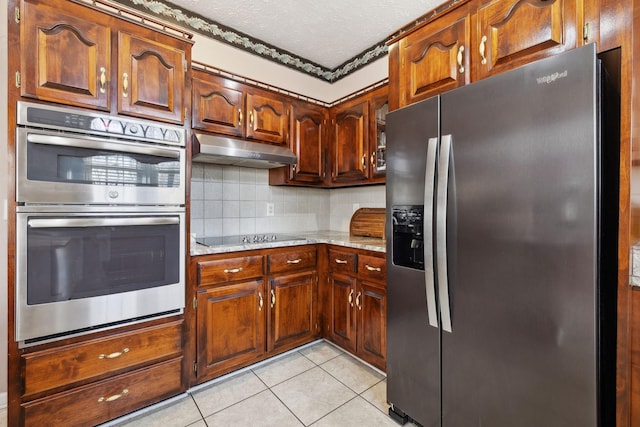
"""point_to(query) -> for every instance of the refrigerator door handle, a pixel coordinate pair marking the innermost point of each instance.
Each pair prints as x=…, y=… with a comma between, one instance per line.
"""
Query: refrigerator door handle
x=441, y=231
x=429, y=273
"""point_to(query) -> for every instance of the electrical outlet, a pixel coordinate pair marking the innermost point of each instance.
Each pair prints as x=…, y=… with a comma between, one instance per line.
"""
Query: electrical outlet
x=270, y=209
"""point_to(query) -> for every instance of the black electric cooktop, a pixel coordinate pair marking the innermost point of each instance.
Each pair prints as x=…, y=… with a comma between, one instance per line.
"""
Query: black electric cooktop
x=246, y=239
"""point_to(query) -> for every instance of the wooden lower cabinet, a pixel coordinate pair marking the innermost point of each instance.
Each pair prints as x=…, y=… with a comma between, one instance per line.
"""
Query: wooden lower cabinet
x=291, y=310
x=266, y=307
x=231, y=327
x=88, y=381
x=108, y=399
x=358, y=304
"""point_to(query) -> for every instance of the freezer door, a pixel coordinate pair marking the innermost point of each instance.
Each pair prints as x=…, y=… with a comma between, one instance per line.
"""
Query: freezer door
x=522, y=245
x=413, y=345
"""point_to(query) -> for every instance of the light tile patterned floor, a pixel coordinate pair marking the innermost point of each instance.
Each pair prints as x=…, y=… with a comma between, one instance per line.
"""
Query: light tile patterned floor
x=317, y=385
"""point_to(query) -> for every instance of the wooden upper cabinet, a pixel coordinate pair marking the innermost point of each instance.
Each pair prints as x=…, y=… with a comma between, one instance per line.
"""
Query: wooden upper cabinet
x=151, y=79
x=511, y=33
x=217, y=107
x=435, y=58
x=75, y=55
x=67, y=57
x=350, y=142
x=266, y=118
x=308, y=123
x=228, y=107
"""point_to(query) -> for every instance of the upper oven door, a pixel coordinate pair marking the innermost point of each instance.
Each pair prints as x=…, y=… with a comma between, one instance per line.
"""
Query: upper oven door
x=63, y=168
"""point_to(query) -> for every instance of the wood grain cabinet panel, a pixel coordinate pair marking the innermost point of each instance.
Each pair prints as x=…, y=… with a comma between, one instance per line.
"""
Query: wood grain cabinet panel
x=514, y=32
x=343, y=316
x=62, y=366
x=342, y=262
x=53, y=37
x=435, y=59
x=231, y=322
x=230, y=269
x=292, y=260
x=291, y=318
x=350, y=143
x=105, y=400
x=217, y=107
x=267, y=118
x=372, y=268
x=151, y=79
x=308, y=142
x=371, y=303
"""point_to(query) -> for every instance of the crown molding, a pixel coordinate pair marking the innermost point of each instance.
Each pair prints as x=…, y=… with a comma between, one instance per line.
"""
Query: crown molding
x=214, y=30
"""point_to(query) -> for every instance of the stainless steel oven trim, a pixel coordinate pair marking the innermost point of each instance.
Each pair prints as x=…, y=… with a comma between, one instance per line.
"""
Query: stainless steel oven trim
x=66, y=316
x=161, y=128
x=28, y=191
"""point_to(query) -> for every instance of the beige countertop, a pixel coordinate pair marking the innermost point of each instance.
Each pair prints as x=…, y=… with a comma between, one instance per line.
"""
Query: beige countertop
x=326, y=236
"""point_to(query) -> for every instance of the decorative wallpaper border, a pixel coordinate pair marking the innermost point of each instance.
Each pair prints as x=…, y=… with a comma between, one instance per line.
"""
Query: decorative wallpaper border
x=227, y=35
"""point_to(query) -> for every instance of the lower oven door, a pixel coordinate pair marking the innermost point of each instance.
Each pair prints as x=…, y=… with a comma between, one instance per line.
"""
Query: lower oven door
x=76, y=272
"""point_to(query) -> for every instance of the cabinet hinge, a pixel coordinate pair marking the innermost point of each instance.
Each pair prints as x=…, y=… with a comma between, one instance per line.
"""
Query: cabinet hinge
x=586, y=32
x=195, y=302
x=184, y=65
x=17, y=14
x=18, y=79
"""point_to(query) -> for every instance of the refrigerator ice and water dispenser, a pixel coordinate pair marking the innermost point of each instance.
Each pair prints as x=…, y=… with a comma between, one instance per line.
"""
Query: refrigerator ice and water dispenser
x=408, y=236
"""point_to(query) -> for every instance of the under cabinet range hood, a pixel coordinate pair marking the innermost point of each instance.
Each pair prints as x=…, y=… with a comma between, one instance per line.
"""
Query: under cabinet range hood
x=229, y=151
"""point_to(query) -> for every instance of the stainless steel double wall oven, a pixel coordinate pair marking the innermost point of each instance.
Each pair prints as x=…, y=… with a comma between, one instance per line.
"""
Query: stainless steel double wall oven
x=100, y=227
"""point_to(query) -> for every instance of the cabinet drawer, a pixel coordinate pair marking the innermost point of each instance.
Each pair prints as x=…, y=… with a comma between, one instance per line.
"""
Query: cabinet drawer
x=108, y=399
x=342, y=262
x=62, y=366
x=297, y=259
x=372, y=268
x=229, y=269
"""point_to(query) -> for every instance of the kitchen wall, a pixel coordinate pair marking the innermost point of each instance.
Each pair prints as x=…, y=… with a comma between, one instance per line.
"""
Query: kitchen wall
x=228, y=200
x=3, y=198
x=240, y=62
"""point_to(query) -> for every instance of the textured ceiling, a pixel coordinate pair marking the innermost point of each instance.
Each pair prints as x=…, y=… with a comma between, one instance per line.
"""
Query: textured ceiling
x=327, y=39
x=328, y=32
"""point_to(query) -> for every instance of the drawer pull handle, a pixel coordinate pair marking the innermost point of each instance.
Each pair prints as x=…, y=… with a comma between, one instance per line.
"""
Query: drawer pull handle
x=273, y=298
x=351, y=298
x=368, y=267
x=114, y=355
x=239, y=117
x=114, y=397
x=294, y=261
x=261, y=303
x=482, y=50
x=103, y=80
x=341, y=261
x=460, y=58
x=233, y=270
x=358, y=301
x=125, y=85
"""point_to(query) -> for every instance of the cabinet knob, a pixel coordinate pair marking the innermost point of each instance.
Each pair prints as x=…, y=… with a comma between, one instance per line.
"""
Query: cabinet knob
x=232, y=270
x=294, y=261
x=273, y=298
x=351, y=298
x=260, y=302
x=340, y=261
x=482, y=50
x=368, y=267
x=373, y=158
x=460, y=59
x=358, y=301
x=239, y=117
x=125, y=85
x=364, y=160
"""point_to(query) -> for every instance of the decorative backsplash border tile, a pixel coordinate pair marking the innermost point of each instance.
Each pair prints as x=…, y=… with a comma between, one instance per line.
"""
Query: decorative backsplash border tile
x=243, y=41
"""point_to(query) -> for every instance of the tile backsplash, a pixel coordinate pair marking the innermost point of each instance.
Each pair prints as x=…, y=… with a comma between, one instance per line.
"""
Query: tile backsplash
x=229, y=200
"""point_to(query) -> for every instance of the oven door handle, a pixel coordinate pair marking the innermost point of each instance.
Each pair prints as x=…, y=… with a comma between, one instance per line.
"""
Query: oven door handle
x=101, y=144
x=100, y=222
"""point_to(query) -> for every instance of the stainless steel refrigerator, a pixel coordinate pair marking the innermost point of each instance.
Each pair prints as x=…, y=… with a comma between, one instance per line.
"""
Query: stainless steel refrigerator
x=502, y=207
